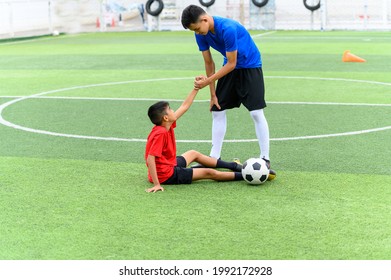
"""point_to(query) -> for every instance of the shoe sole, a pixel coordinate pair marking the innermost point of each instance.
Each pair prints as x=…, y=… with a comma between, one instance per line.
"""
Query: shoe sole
x=272, y=175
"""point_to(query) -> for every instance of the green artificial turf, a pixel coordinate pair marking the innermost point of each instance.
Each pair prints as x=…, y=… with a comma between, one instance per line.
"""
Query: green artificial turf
x=67, y=198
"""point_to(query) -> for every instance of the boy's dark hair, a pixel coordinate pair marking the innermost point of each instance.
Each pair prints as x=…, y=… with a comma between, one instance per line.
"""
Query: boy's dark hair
x=157, y=111
x=190, y=15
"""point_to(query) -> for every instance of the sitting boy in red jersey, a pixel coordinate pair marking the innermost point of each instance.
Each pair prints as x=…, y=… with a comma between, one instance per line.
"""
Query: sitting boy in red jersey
x=164, y=167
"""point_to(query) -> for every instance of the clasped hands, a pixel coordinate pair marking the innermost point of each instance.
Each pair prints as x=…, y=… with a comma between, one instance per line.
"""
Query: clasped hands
x=200, y=82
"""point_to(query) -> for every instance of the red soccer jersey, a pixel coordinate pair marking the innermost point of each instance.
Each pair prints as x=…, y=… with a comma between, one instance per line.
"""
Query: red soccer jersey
x=161, y=144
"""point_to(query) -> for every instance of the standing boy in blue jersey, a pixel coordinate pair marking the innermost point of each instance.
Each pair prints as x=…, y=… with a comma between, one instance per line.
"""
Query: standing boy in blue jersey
x=240, y=80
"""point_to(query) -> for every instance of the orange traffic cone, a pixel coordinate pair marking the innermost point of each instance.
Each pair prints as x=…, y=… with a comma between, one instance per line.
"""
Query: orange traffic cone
x=97, y=22
x=349, y=57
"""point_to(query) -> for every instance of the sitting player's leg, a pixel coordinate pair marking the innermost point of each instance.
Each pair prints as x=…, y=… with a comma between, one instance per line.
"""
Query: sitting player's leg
x=204, y=160
x=208, y=173
x=195, y=156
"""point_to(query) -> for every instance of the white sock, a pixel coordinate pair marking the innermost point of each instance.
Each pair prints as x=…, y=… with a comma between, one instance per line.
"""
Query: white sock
x=262, y=131
x=219, y=127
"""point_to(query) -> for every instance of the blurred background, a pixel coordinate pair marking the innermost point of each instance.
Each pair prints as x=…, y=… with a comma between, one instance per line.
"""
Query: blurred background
x=24, y=18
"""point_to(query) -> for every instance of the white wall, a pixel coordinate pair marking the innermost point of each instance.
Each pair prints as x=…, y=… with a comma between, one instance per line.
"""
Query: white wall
x=24, y=16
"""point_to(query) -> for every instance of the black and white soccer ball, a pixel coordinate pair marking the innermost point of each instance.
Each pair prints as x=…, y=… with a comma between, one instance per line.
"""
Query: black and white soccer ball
x=255, y=171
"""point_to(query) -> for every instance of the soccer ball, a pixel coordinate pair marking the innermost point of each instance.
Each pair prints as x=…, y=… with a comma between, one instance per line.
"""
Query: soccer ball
x=255, y=171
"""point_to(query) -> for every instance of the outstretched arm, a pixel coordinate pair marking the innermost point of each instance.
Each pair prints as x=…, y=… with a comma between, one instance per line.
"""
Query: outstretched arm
x=186, y=104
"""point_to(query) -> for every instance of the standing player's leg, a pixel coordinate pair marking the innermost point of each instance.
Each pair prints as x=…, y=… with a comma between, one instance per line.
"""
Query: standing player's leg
x=253, y=90
x=225, y=92
x=254, y=101
x=219, y=127
x=262, y=132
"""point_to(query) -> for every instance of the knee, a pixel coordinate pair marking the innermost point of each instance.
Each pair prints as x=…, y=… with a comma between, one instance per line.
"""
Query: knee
x=211, y=173
x=257, y=115
x=219, y=115
x=194, y=154
x=191, y=155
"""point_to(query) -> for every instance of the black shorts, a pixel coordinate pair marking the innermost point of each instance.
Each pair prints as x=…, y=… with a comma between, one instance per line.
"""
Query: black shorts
x=241, y=86
x=181, y=175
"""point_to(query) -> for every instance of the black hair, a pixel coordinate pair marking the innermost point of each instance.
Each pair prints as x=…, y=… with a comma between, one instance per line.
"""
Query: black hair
x=190, y=15
x=157, y=111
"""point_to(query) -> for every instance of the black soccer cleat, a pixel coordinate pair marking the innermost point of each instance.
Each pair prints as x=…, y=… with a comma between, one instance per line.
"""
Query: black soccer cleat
x=267, y=162
x=272, y=173
x=239, y=165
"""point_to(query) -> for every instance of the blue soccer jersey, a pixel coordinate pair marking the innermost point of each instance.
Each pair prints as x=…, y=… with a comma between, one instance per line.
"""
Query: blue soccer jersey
x=230, y=36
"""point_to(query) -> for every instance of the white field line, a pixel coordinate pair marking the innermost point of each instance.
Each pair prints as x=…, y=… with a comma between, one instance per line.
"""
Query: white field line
x=301, y=38
x=201, y=100
x=24, y=41
x=254, y=36
x=38, y=39
x=330, y=79
x=263, y=34
x=41, y=95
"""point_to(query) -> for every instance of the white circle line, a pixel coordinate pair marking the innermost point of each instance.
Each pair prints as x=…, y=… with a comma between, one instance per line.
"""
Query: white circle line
x=3, y=106
x=15, y=126
x=200, y=100
x=330, y=79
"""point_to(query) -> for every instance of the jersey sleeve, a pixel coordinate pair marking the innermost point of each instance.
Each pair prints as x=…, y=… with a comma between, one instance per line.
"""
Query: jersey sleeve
x=203, y=45
x=230, y=39
x=156, y=147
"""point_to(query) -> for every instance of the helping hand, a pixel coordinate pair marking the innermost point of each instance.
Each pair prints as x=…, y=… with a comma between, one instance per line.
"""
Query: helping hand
x=200, y=82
